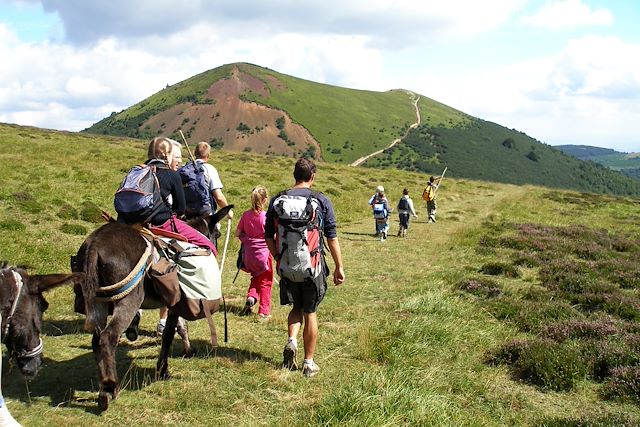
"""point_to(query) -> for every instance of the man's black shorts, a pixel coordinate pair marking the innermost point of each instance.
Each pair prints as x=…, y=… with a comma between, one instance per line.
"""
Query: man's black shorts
x=306, y=295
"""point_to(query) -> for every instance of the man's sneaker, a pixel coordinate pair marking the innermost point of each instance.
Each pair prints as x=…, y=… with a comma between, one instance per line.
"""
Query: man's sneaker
x=289, y=356
x=160, y=328
x=310, y=369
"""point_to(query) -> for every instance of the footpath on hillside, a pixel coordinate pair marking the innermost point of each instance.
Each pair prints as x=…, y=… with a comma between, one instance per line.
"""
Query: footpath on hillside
x=395, y=141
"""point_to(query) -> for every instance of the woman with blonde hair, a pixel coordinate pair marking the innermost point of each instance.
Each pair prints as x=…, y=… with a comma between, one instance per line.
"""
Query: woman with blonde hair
x=160, y=154
x=255, y=253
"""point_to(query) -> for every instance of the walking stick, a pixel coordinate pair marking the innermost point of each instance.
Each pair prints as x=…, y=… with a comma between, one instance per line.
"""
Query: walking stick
x=440, y=180
x=224, y=256
x=188, y=149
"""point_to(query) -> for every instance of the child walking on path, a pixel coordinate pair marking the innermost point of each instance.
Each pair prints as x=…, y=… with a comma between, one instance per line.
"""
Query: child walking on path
x=256, y=257
x=405, y=208
x=381, y=210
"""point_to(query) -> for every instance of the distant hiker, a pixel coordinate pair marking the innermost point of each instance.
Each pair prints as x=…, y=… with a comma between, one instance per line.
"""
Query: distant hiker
x=255, y=253
x=429, y=195
x=202, y=201
x=381, y=210
x=297, y=221
x=405, y=208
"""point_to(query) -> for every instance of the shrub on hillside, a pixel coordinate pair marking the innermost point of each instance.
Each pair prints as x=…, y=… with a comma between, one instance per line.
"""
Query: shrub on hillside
x=507, y=354
x=90, y=212
x=500, y=268
x=616, y=304
x=579, y=329
x=67, y=212
x=533, y=156
x=75, y=229
x=623, y=384
x=481, y=287
x=588, y=420
x=27, y=203
x=12, y=225
x=526, y=259
x=552, y=366
x=530, y=316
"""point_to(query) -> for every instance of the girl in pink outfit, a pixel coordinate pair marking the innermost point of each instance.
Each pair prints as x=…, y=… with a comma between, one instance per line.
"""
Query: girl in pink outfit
x=256, y=256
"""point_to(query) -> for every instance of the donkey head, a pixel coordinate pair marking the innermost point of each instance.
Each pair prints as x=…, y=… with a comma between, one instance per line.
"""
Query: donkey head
x=206, y=224
x=22, y=305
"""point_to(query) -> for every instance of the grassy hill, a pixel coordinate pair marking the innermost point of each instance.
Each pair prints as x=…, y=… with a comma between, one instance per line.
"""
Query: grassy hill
x=626, y=163
x=346, y=123
x=519, y=307
x=479, y=149
x=244, y=107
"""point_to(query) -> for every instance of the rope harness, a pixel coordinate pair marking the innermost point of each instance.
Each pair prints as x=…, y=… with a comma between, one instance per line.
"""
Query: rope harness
x=124, y=287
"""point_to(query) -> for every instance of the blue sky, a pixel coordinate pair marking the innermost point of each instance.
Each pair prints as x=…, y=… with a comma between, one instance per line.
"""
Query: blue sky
x=562, y=71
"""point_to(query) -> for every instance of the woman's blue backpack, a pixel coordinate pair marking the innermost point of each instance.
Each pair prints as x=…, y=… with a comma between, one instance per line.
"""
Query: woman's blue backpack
x=138, y=199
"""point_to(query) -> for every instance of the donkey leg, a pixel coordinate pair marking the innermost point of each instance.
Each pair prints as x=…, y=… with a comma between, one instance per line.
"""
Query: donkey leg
x=183, y=331
x=101, y=354
x=162, y=367
x=123, y=314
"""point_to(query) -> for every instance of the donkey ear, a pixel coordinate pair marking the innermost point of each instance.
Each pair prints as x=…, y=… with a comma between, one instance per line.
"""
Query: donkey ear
x=44, y=282
x=221, y=213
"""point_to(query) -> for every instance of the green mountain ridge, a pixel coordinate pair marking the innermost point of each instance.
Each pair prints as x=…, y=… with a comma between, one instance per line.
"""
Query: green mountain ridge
x=244, y=107
x=626, y=163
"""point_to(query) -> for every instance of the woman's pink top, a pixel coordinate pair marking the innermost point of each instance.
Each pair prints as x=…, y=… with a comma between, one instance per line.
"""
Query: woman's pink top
x=256, y=253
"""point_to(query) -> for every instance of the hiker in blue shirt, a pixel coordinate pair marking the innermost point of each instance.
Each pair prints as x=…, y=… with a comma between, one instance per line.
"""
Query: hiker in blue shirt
x=381, y=210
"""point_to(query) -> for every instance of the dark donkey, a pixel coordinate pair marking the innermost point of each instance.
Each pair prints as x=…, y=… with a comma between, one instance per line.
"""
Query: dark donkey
x=109, y=255
x=22, y=308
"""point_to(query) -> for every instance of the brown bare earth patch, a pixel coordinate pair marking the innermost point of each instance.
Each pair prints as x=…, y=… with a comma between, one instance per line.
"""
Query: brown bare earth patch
x=238, y=125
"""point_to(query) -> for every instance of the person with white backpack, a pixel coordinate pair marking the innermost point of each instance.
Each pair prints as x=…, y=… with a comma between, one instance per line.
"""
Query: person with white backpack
x=297, y=223
x=381, y=210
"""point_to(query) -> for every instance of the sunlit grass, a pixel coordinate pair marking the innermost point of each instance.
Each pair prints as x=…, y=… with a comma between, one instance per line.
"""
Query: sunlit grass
x=401, y=343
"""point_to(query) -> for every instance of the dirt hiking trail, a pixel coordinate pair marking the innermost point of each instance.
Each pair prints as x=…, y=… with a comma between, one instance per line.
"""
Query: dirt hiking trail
x=395, y=141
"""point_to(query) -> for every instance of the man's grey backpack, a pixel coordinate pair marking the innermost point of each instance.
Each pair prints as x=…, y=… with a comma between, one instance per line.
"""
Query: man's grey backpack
x=299, y=237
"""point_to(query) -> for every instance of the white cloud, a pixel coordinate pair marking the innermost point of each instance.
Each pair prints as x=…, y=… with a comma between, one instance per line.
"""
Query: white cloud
x=588, y=93
x=567, y=14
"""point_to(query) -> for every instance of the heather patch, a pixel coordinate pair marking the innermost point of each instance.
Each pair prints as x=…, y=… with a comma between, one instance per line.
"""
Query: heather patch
x=623, y=384
x=578, y=329
x=583, y=314
x=481, y=287
x=551, y=365
x=608, y=420
x=500, y=269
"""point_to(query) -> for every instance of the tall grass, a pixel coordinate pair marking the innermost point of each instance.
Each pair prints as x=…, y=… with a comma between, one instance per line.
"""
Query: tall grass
x=403, y=342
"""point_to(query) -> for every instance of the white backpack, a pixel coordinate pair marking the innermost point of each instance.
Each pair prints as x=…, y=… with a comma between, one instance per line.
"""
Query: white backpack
x=299, y=237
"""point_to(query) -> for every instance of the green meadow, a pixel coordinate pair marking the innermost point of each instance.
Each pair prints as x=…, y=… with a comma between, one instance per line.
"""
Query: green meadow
x=519, y=306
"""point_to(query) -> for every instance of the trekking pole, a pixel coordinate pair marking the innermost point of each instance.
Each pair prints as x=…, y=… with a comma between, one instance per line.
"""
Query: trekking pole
x=226, y=242
x=440, y=181
x=224, y=255
x=188, y=149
